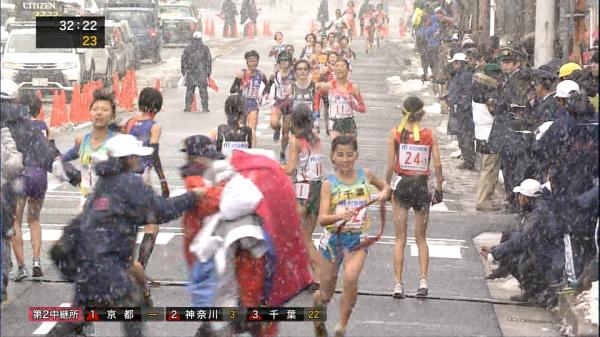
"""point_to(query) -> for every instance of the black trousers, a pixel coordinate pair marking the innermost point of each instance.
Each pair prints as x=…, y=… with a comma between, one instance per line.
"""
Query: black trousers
x=130, y=329
x=191, y=91
x=229, y=26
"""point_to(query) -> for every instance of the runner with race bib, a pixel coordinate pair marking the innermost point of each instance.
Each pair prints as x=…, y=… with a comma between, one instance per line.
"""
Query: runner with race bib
x=283, y=79
x=410, y=151
x=342, y=193
x=305, y=165
x=344, y=100
x=304, y=91
x=233, y=135
x=247, y=82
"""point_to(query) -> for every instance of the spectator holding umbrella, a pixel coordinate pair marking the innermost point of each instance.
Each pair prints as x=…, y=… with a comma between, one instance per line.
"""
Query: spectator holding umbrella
x=196, y=67
x=248, y=12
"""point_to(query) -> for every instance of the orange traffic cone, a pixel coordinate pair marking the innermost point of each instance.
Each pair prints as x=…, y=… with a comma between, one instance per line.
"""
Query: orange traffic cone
x=87, y=98
x=402, y=29
x=57, y=116
x=157, y=84
x=194, y=107
x=63, y=105
x=76, y=111
x=41, y=115
x=234, y=32
x=115, y=85
x=206, y=28
x=124, y=90
x=250, y=30
x=212, y=28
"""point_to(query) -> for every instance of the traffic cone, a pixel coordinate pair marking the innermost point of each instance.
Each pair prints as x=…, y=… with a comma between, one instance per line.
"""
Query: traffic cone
x=157, y=84
x=212, y=28
x=234, y=32
x=402, y=29
x=124, y=90
x=115, y=85
x=206, y=28
x=267, y=28
x=250, y=31
x=63, y=105
x=57, y=116
x=194, y=107
x=226, y=32
x=312, y=26
x=87, y=98
x=41, y=115
x=79, y=113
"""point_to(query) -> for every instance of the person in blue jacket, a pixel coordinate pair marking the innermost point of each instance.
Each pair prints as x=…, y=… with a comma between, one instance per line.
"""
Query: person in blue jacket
x=105, y=232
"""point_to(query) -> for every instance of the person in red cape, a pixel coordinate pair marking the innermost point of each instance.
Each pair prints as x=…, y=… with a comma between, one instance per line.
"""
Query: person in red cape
x=275, y=278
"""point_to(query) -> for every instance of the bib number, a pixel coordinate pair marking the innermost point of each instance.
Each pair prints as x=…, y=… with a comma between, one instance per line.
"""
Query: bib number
x=315, y=166
x=251, y=91
x=228, y=147
x=340, y=107
x=302, y=190
x=413, y=157
x=357, y=221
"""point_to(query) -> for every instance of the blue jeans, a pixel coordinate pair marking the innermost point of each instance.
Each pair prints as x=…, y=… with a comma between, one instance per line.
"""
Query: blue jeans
x=203, y=283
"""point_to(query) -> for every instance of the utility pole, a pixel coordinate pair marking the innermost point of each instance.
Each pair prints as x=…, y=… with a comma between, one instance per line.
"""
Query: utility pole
x=544, y=32
x=492, y=17
x=579, y=15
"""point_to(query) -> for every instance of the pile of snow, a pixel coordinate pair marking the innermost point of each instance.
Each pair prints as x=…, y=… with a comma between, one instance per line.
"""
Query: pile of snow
x=434, y=108
x=398, y=86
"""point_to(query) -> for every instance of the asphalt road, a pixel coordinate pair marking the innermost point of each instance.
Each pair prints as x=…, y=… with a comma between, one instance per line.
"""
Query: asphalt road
x=385, y=77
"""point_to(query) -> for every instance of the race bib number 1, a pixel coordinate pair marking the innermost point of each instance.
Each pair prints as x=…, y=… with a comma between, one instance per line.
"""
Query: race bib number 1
x=413, y=157
x=302, y=190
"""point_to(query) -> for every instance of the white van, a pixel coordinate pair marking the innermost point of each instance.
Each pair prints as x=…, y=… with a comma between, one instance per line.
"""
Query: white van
x=44, y=69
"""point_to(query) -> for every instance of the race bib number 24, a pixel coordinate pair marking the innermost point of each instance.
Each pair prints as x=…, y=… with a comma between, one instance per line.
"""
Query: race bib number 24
x=413, y=157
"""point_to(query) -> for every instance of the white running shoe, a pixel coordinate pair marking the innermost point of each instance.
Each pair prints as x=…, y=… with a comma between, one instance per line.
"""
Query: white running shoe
x=399, y=290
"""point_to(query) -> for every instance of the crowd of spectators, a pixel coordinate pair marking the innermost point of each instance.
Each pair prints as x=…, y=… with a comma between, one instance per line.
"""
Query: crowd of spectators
x=538, y=128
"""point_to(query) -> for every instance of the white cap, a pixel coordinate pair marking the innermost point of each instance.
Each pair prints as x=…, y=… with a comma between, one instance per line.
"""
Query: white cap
x=466, y=41
x=458, y=57
x=126, y=145
x=530, y=188
x=197, y=34
x=564, y=88
x=8, y=89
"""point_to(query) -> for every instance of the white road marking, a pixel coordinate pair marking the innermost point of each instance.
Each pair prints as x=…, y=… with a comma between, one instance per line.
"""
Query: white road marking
x=440, y=251
x=45, y=327
x=55, y=234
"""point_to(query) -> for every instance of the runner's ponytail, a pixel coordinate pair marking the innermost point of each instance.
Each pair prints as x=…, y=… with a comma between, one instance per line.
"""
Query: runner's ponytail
x=303, y=123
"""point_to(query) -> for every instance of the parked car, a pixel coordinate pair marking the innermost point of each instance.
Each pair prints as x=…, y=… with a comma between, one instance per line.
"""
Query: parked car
x=44, y=69
x=83, y=7
x=179, y=21
x=144, y=24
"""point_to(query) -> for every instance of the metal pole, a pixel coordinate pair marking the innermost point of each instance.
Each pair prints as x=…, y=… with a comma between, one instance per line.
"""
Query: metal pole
x=544, y=32
x=492, y=17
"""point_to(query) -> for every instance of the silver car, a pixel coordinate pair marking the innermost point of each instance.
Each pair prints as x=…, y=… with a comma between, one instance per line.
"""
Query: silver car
x=117, y=54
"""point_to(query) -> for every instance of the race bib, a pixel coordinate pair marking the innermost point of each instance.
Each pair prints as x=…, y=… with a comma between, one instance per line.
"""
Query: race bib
x=357, y=221
x=339, y=107
x=315, y=166
x=302, y=190
x=228, y=147
x=413, y=157
x=251, y=91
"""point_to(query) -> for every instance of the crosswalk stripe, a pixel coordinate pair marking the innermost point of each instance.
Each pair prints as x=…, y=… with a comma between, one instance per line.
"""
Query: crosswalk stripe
x=45, y=327
x=55, y=234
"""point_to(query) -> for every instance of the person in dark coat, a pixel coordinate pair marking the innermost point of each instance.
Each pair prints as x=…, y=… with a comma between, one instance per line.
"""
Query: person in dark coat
x=459, y=101
x=229, y=12
x=570, y=151
x=196, y=67
x=323, y=16
x=104, y=239
x=511, y=101
x=248, y=12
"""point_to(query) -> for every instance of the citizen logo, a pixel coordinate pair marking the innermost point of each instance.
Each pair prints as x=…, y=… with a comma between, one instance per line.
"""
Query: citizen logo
x=39, y=5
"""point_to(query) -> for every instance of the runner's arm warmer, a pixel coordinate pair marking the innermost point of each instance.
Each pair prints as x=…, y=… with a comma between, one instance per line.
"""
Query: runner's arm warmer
x=155, y=161
x=361, y=104
x=235, y=86
x=71, y=154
